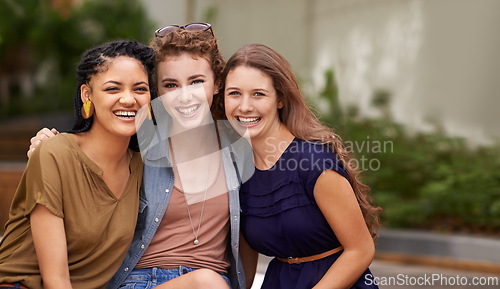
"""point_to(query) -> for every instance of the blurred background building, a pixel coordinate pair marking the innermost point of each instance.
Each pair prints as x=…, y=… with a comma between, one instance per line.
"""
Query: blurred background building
x=439, y=58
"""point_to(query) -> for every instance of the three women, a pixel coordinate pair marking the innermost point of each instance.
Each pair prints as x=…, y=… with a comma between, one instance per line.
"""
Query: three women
x=304, y=204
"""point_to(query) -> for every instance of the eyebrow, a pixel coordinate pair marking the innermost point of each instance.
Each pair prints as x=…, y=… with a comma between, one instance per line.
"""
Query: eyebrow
x=196, y=76
x=189, y=78
x=113, y=82
x=119, y=83
x=256, y=89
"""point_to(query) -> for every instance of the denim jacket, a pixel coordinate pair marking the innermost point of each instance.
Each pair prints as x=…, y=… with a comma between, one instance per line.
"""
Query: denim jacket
x=158, y=181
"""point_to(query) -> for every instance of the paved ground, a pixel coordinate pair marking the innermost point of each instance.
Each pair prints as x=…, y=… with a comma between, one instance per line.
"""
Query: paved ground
x=390, y=275
x=396, y=275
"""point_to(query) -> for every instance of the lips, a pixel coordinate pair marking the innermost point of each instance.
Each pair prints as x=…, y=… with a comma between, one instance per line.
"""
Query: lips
x=248, y=121
x=125, y=114
x=188, y=111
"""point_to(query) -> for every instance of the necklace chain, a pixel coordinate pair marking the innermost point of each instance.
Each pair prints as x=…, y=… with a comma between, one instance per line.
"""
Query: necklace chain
x=196, y=242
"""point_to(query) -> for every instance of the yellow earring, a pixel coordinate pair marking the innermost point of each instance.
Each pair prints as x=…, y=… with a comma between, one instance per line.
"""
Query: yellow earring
x=150, y=112
x=87, y=109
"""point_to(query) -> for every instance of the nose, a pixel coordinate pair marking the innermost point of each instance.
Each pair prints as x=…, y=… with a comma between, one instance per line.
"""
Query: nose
x=184, y=95
x=245, y=104
x=127, y=98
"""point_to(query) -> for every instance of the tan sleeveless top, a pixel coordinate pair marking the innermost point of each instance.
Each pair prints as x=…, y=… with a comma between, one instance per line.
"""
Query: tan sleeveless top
x=172, y=244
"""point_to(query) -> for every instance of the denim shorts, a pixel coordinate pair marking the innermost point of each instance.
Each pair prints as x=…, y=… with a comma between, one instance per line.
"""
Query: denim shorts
x=12, y=285
x=152, y=277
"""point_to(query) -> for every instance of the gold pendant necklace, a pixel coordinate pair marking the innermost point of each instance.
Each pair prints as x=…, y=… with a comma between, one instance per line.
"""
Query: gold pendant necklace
x=196, y=241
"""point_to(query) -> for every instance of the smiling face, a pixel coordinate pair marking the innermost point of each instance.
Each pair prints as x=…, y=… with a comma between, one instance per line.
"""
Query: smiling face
x=186, y=85
x=117, y=92
x=251, y=101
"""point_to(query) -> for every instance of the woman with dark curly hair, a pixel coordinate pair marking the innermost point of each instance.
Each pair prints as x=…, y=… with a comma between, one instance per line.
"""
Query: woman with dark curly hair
x=70, y=221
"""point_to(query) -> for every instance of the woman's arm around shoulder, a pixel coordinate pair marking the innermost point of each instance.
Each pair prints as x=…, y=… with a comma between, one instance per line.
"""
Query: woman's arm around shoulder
x=42, y=134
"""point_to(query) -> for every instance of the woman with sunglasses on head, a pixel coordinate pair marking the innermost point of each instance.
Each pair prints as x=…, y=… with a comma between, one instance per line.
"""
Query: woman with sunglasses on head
x=304, y=204
x=188, y=226
x=82, y=185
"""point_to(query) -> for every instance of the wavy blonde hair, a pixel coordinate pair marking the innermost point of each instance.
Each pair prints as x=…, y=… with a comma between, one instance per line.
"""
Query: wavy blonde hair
x=300, y=120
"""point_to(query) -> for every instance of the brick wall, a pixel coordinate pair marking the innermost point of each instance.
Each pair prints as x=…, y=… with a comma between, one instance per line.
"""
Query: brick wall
x=14, y=143
x=15, y=134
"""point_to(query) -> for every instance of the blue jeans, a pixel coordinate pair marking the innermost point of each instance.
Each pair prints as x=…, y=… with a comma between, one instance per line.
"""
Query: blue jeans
x=11, y=285
x=152, y=277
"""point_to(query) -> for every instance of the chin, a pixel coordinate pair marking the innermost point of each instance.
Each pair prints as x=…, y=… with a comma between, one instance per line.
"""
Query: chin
x=126, y=132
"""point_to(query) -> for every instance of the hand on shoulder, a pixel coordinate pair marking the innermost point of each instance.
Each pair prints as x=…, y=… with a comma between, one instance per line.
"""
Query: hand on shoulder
x=41, y=135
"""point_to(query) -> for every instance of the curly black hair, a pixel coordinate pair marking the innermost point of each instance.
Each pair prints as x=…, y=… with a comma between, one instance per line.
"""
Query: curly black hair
x=94, y=61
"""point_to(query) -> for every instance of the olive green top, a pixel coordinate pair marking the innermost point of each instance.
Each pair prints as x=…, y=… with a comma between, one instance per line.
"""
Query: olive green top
x=99, y=227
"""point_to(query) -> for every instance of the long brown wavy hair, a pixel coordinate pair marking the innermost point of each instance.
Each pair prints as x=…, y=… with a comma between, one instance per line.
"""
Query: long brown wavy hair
x=297, y=116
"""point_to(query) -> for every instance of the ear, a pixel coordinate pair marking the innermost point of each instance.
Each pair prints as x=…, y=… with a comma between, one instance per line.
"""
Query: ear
x=217, y=87
x=280, y=104
x=85, y=92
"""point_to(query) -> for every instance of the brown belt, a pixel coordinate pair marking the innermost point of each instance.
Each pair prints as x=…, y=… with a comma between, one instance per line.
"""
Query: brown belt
x=298, y=260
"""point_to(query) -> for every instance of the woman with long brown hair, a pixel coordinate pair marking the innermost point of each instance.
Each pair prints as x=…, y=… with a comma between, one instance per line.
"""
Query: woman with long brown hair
x=304, y=204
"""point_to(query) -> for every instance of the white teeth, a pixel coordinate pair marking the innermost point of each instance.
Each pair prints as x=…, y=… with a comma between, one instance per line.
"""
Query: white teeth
x=188, y=110
x=125, y=113
x=248, y=119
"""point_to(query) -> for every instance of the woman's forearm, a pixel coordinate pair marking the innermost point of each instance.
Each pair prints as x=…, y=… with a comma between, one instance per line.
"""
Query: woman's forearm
x=347, y=269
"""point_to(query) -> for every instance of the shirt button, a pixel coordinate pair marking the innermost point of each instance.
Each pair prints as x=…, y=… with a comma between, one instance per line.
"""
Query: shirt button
x=142, y=246
x=157, y=220
x=167, y=190
x=126, y=269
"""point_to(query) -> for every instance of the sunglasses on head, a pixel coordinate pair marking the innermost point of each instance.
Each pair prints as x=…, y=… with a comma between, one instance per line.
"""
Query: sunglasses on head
x=196, y=27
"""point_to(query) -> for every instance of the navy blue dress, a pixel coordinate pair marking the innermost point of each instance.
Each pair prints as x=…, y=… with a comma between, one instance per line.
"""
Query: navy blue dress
x=280, y=217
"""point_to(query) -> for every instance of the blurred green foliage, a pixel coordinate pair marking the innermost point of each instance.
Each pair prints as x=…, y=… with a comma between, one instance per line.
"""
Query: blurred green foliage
x=424, y=180
x=52, y=40
x=210, y=14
